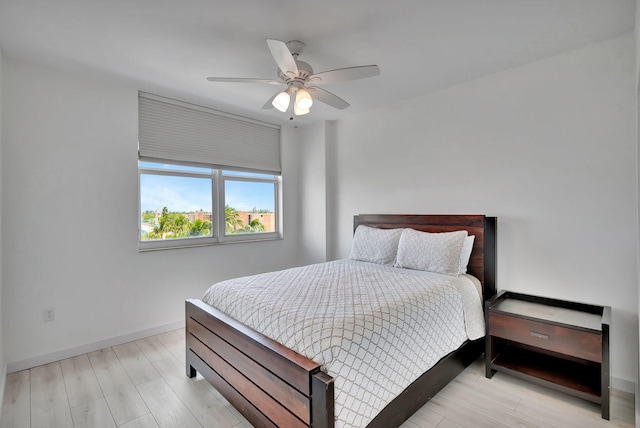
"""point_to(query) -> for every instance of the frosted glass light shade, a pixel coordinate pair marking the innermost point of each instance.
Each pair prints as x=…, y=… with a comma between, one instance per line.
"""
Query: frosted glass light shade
x=298, y=111
x=303, y=99
x=281, y=101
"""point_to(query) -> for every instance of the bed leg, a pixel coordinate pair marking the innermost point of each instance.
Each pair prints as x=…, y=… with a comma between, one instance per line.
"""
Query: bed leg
x=191, y=372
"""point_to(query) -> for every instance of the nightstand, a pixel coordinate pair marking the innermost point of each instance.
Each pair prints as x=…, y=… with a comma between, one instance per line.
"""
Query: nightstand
x=559, y=344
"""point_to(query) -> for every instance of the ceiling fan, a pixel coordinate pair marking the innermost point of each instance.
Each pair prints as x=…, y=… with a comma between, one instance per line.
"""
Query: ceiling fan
x=300, y=79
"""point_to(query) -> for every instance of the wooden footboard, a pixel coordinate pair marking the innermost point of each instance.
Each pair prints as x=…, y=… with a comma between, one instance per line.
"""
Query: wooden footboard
x=271, y=385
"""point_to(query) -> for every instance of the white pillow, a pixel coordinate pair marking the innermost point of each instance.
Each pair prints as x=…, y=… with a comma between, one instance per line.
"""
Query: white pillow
x=375, y=245
x=467, y=247
x=433, y=252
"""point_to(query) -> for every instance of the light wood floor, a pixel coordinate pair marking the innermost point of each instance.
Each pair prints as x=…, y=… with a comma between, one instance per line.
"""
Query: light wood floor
x=143, y=384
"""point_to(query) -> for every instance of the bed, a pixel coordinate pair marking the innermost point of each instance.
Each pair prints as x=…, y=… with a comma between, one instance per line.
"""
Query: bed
x=275, y=386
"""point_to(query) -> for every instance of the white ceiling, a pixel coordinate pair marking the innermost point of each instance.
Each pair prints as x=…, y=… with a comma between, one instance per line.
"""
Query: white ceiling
x=171, y=46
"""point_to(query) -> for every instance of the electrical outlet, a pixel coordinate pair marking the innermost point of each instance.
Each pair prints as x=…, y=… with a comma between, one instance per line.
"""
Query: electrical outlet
x=48, y=314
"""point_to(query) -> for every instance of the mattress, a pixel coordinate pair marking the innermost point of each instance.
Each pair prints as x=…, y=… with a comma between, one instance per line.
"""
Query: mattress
x=375, y=329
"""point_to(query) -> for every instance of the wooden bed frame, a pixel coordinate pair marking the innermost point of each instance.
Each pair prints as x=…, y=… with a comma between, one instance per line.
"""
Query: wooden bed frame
x=274, y=386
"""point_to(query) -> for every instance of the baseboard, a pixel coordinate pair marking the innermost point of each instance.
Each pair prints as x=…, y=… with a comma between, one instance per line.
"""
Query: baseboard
x=16, y=366
x=3, y=383
x=637, y=401
x=623, y=385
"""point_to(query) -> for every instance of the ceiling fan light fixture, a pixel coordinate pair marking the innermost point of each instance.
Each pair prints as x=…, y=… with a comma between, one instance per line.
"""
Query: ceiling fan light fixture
x=303, y=99
x=298, y=111
x=281, y=101
x=296, y=74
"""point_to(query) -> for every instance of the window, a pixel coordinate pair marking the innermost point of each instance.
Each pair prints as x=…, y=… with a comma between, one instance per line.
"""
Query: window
x=176, y=202
x=250, y=203
x=177, y=205
x=205, y=177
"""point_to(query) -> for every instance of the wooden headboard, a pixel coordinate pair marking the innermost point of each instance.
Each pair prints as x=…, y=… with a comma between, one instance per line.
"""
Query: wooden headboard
x=482, y=264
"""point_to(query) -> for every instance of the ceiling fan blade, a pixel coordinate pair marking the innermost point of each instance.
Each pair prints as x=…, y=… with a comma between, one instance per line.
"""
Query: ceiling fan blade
x=244, y=80
x=328, y=98
x=283, y=57
x=344, y=74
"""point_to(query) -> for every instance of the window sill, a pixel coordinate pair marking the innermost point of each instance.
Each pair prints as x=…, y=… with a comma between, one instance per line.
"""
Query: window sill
x=144, y=247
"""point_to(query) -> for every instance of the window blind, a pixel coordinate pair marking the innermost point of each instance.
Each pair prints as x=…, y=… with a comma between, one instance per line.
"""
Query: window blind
x=177, y=131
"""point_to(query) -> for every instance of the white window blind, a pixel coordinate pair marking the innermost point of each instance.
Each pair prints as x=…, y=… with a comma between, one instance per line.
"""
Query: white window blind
x=178, y=131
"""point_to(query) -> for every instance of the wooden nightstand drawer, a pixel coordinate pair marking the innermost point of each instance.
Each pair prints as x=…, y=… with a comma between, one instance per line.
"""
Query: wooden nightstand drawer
x=564, y=340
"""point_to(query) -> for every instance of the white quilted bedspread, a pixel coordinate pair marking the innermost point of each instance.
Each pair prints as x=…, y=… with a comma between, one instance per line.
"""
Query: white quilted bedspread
x=374, y=328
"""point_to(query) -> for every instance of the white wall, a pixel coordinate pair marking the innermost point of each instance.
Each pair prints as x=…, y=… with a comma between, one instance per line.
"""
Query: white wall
x=3, y=365
x=636, y=39
x=70, y=221
x=549, y=148
x=312, y=194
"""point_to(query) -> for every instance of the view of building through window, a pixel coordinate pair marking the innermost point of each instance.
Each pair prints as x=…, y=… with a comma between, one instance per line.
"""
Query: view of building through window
x=165, y=224
x=176, y=202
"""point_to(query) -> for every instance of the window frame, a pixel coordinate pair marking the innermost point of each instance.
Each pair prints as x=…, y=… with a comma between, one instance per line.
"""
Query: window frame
x=218, y=180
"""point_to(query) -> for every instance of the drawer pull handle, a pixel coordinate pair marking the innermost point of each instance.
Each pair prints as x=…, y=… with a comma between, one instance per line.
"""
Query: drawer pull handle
x=539, y=335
